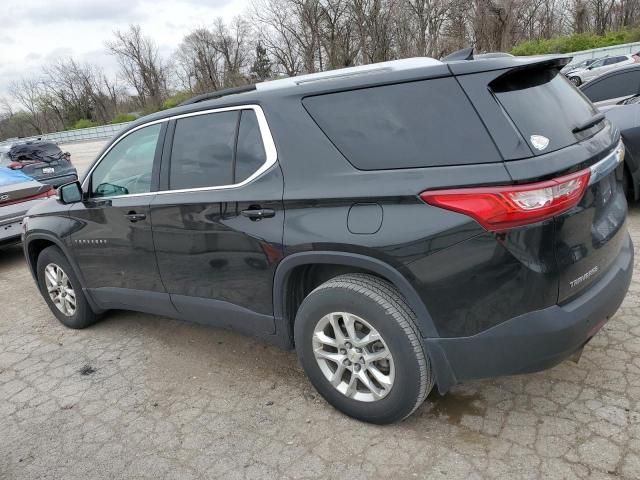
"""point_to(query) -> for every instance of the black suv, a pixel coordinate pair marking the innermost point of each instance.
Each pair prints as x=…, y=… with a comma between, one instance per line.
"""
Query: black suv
x=400, y=225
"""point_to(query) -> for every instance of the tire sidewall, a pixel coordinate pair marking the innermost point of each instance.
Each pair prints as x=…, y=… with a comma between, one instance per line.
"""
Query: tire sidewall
x=83, y=316
x=401, y=400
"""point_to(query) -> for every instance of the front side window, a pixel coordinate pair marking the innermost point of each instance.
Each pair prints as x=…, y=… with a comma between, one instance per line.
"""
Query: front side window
x=127, y=168
x=203, y=149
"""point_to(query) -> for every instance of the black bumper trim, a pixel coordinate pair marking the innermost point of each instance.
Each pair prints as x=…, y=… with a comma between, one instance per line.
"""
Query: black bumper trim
x=536, y=340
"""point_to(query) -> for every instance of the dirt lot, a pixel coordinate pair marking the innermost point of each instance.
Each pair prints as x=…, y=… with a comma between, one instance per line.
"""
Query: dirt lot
x=138, y=396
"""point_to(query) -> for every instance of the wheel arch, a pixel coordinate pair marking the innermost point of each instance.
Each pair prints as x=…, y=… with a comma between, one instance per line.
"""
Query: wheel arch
x=284, y=317
x=35, y=243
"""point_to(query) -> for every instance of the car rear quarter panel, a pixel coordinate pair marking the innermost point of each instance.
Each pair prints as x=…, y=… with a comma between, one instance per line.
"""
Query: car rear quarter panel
x=467, y=278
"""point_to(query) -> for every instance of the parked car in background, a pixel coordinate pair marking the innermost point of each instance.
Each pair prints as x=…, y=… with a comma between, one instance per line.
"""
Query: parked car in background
x=627, y=118
x=617, y=95
x=18, y=193
x=597, y=68
x=578, y=65
x=613, y=87
x=41, y=160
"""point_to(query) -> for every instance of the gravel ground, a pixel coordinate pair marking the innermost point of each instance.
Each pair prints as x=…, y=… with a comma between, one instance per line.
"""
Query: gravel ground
x=139, y=396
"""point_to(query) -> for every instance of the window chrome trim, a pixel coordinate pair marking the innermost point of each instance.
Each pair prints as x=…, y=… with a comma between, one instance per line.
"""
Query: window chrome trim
x=609, y=163
x=267, y=142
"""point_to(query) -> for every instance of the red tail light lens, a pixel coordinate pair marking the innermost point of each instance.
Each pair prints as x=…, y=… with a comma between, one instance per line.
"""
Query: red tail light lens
x=501, y=208
x=48, y=193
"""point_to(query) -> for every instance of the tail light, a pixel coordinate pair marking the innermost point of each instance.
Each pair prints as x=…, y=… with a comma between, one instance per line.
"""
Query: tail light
x=501, y=208
x=15, y=166
x=46, y=194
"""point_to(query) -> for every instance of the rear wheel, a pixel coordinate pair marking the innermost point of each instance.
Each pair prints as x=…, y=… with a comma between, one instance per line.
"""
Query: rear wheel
x=358, y=342
x=62, y=291
x=626, y=184
x=576, y=81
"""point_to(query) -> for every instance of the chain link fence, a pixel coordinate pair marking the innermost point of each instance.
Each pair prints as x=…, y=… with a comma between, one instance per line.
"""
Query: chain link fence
x=71, y=136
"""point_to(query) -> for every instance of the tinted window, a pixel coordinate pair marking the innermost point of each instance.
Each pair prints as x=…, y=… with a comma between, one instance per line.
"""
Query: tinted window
x=202, y=153
x=250, y=153
x=127, y=167
x=416, y=124
x=613, y=86
x=543, y=102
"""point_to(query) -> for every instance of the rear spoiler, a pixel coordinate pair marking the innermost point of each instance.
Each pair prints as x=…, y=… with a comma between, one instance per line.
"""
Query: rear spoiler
x=464, y=67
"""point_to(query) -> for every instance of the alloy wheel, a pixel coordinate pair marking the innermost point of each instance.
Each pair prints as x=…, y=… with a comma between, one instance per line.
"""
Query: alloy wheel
x=353, y=357
x=60, y=289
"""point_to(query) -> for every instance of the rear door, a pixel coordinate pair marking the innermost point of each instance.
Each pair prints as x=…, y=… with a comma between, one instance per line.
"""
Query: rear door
x=218, y=223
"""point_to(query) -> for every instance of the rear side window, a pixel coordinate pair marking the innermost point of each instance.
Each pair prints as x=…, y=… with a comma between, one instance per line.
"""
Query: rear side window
x=202, y=153
x=416, y=124
x=613, y=86
x=543, y=103
x=250, y=154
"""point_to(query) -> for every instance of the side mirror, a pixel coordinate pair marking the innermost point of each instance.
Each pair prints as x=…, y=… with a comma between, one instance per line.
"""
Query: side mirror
x=70, y=193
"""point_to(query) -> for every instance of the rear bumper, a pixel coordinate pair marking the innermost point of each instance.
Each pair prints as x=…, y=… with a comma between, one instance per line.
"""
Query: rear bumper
x=10, y=230
x=536, y=340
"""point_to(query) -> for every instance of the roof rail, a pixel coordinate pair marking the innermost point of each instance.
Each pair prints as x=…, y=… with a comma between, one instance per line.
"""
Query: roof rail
x=218, y=94
x=462, y=54
x=342, y=73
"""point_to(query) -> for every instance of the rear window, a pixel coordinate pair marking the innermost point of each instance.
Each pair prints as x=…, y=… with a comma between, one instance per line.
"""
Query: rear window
x=543, y=103
x=407, y=125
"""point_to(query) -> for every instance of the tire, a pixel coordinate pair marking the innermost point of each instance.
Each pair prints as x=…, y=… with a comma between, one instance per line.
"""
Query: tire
x=369, y=299
x=576, y=81
x=626, y=184
x=82, y=315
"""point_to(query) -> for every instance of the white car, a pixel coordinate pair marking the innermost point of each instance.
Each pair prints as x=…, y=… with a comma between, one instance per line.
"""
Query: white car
x=597, y=68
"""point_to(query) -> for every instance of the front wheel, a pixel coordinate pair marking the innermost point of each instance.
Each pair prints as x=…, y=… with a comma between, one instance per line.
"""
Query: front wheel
x=576, y=81
x=358, y=342
x=62, y=291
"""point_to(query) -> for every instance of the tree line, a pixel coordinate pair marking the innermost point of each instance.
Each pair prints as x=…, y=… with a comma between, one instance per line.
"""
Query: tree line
x=284, y=38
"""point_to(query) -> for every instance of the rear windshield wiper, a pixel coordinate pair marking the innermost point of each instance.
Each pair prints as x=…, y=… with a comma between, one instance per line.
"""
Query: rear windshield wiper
x=597, y=118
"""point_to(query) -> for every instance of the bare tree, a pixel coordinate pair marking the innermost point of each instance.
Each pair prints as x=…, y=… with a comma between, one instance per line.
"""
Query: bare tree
x=140, y=66
x=28, y=92
x=337, y=34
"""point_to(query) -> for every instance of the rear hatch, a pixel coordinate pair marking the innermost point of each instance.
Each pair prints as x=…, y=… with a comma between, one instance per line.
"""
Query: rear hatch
x=546, y=129
x=37, y=159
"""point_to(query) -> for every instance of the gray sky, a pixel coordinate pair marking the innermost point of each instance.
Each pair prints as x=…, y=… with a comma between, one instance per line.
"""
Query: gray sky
x=35, y=32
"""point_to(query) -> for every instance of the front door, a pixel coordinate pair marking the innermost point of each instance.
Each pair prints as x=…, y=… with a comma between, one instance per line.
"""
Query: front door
x=218, y=227
x=113, y=243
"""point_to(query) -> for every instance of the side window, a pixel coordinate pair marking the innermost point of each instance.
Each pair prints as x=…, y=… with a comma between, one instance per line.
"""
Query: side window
x=614, y=86
x=250, y=154
x=127, y=168
x=425, y=123
x=202, y=153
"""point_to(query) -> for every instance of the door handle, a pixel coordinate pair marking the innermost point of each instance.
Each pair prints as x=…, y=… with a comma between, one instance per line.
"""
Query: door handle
x=258, y=213
x=134, y=217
